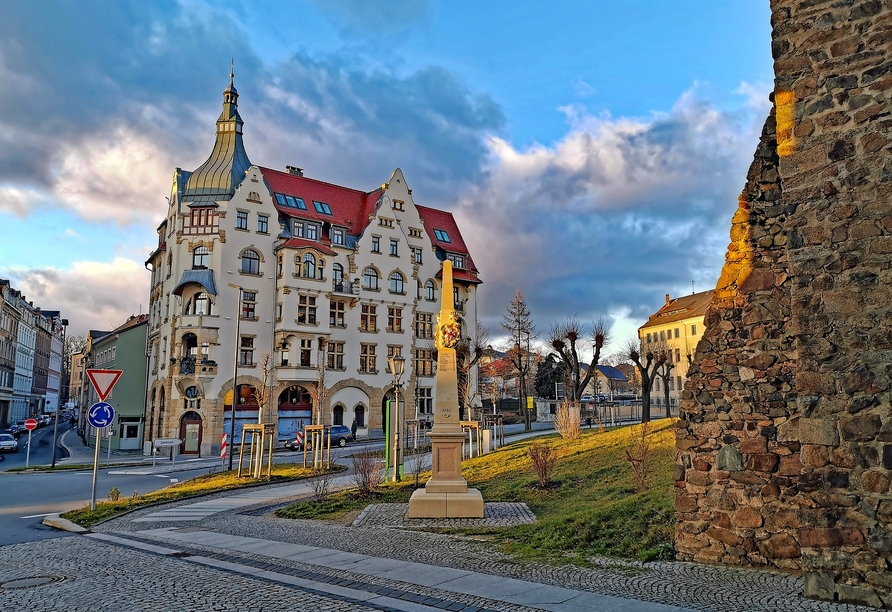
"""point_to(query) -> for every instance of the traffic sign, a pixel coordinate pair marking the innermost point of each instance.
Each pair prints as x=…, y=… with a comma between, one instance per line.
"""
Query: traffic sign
x=31, y=424
x=101, y=415
x=103, y=381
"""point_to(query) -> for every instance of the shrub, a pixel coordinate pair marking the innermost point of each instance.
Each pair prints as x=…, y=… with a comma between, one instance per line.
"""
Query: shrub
x=639, y=455
x=114, y=494
x=320, y=481
x=543, y=458
x=367, y=473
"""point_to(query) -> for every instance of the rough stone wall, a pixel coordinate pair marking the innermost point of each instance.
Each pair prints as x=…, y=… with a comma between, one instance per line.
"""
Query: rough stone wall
x=785, y=438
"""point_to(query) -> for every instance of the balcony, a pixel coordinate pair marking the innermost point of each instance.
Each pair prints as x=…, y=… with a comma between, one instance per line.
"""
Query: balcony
x=345, y=287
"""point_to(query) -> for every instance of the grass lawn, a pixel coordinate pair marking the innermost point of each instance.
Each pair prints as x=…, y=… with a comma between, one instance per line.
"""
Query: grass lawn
x=202, y=485
x=591, y=507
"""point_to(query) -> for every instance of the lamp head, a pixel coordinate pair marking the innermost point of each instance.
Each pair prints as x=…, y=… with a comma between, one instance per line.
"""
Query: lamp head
x=397, y=366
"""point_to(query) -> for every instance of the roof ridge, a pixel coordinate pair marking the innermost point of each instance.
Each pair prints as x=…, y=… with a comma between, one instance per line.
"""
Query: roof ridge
x=315, y=180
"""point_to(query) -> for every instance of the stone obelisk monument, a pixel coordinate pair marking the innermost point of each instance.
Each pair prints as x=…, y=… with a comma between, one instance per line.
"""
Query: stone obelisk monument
x=446, y=494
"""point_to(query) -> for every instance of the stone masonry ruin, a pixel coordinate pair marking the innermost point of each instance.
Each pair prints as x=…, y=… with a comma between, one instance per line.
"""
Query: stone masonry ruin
x=784, y=446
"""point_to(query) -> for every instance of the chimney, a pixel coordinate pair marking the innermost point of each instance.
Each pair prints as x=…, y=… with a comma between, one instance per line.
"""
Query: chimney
x=667, y=299
x=294, y=170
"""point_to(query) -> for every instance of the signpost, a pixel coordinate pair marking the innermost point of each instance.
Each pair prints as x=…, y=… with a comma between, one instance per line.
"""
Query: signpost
x=166, y=443
x=101, y=414
x=30, y=425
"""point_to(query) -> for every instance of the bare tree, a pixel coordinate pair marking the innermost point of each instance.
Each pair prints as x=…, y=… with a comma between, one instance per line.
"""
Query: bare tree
x=468, y=352
x=262, y=392
x=664, y=372
x=654, y=357
x=518, y=322
x=568, y=339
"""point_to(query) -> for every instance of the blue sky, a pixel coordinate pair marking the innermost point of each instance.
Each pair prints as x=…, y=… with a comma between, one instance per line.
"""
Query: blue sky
x=591, y=151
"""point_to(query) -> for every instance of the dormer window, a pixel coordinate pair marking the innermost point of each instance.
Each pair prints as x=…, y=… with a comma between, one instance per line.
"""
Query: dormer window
x=441, y=235
x=290, y=201
x=458, y=261
x=337, y=236
x=322, y=208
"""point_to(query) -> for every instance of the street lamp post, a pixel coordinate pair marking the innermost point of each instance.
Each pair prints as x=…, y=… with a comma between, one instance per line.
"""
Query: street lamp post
x=397, y=368
x=238, y=331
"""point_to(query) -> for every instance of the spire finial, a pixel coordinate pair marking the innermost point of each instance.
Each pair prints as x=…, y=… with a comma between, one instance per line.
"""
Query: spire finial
x=232, y=71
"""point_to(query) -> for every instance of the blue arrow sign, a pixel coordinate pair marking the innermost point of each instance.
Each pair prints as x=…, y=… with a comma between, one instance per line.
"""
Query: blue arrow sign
x=101, y=415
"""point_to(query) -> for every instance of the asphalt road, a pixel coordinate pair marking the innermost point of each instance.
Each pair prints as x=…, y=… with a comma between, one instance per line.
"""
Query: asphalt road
x=41, y=449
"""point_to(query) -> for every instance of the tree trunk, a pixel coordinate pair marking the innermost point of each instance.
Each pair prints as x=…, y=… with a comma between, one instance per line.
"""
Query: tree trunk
x=666, y=395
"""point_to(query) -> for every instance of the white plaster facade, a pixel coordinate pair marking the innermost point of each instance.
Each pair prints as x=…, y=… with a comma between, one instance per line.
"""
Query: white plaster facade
x=241, y=272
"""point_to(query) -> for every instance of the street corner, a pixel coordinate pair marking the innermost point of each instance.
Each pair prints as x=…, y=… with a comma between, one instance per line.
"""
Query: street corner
x=57, y=522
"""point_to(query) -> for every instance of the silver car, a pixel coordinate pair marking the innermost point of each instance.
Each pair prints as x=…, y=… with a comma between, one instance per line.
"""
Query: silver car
x=8, y=444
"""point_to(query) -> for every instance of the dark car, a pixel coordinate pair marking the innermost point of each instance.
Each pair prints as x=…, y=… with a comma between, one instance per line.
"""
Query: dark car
x=340, y=435
x=293, y=444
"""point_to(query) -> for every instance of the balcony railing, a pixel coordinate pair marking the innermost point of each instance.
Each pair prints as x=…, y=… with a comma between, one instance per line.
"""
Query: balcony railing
x=343, y=286
x=187, y=365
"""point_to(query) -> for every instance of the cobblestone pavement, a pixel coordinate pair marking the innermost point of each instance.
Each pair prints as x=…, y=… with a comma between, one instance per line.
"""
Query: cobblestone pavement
x=678, y=584
x=495, y=514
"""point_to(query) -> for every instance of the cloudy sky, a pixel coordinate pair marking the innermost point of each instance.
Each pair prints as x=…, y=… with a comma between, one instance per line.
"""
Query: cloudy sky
x=592, y=151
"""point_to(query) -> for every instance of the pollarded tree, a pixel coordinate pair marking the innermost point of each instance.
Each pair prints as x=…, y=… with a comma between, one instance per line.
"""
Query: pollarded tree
x=665, y=374
x=518, y=322
x=568, y=339
x=548, y=374
x=653, y=358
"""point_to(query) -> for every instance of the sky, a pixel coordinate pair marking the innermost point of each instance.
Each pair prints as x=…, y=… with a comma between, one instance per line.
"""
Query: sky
x=592, y=152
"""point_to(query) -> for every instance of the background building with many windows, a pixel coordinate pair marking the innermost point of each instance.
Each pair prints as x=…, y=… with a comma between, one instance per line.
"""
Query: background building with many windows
x=676, y=327
x=293, y=292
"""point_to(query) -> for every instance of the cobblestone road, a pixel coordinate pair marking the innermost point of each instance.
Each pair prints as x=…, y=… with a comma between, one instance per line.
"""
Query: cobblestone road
x=99, y=575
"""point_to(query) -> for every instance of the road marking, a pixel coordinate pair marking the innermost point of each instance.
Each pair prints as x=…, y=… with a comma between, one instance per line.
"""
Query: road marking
x=36, y=515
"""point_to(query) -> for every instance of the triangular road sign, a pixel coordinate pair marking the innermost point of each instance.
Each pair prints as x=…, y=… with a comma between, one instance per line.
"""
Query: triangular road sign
x=103, y=381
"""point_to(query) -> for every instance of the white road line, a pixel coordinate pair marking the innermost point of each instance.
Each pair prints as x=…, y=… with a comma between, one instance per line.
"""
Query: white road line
x=36, y=515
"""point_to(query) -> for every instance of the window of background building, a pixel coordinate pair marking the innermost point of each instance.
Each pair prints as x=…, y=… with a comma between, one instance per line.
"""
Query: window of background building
x=359, y=411
x=241, y=220
x=392, y=351
x=263, y=224
x=368, y=318
x=200, y=258
x=306, y=351
x=394, y=247
x=441, y=235
x=430, y=291
x=336, y=314
x=376, y=244
x=337, y=236
x=246, y=352
x=676, y=332
x=424, y=362
x=306, y=309
x=424, y=325
x=249, y=304
x=250, y=262
x=367, y=358
x=396, y=283
x=370, y=278
x=394, y=319
x=693, y=330
x=335, y=355
x=425, y=398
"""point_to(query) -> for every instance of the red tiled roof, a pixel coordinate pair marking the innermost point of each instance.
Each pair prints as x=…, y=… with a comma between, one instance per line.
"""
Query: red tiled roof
x=349, y=207
x=302, y=243
x=443, y=220
x=462, y=275
x=680, y=308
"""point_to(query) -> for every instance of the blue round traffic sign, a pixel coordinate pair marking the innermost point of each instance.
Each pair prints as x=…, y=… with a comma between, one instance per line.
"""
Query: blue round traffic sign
x=101, y=414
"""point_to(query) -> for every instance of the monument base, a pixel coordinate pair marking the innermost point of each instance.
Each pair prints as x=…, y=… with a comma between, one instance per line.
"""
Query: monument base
x=425, y=504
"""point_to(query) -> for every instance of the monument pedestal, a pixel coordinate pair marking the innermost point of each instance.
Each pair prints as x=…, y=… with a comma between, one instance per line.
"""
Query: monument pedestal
x=446, y=494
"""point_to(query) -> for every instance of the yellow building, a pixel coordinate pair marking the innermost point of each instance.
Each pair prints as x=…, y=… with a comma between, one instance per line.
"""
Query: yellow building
x=676, y=327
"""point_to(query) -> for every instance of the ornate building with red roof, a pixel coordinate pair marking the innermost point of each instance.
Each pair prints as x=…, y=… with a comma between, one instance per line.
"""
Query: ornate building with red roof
x=321, y=282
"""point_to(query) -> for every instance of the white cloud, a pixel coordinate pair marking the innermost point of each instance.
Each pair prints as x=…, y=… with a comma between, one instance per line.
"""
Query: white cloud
x=116, y=175
x=17, y=201
x=91, y=295
x=611, y=217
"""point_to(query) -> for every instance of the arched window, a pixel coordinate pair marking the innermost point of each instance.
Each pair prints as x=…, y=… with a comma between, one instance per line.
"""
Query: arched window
x=161, y=413
x=396, y=282
x=337, y=273
x=250, y=262
x=202, y=304
x=429, y=290
x=200, y=258
x=359, y=411
x=370, y=278
x=309, y=270
x=337, y=417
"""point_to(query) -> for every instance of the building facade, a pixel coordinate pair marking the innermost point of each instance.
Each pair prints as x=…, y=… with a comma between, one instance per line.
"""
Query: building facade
x=295, y=292
x=9, y=333
x=124, y=348
x=676, y=327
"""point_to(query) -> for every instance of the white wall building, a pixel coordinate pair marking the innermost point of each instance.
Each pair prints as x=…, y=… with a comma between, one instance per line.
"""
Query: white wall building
x=324, y=281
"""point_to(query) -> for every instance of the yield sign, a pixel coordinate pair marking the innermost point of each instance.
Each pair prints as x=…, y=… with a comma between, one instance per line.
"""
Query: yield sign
x=103, y=381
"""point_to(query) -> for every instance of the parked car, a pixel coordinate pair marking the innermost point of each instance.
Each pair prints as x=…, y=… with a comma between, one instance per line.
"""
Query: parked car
x=8, y=444
x=17, y=429
x=293, y=444
x=340, y=435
